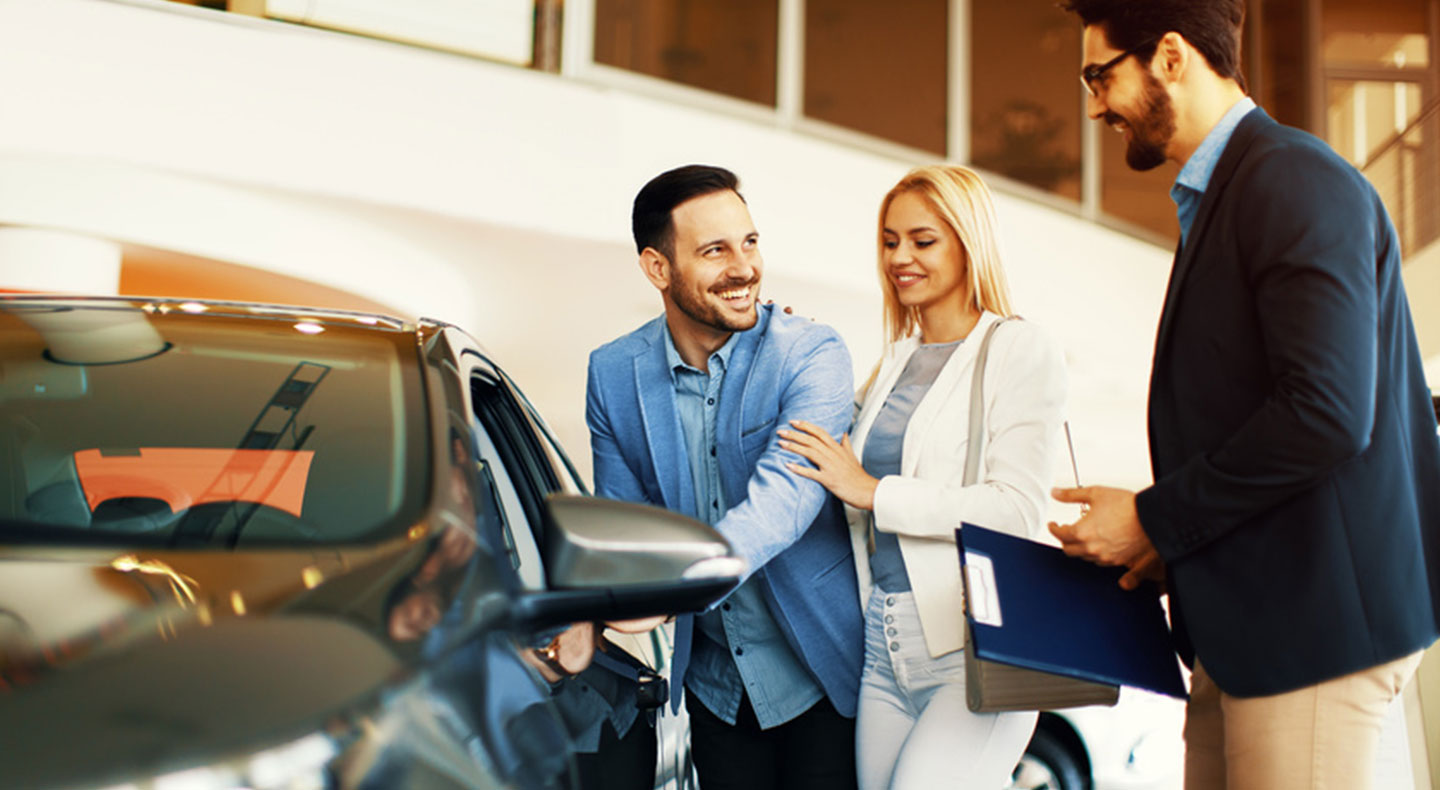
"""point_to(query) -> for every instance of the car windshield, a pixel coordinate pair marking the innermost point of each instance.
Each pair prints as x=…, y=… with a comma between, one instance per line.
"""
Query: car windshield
x=171, y=426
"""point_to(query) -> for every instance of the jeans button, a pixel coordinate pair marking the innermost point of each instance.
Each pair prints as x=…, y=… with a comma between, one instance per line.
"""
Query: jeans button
x=894, y=647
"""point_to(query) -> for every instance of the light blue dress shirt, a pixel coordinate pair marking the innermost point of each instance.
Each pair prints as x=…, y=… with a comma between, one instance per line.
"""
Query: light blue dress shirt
x=1194, y=178
x=738, y=647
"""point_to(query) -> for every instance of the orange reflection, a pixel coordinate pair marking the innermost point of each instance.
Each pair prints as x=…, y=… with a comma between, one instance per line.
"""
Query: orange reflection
x=186, y=476
x=183, y=586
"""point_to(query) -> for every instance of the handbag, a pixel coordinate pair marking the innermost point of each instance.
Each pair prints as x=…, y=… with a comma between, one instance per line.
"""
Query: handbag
x=991, y=686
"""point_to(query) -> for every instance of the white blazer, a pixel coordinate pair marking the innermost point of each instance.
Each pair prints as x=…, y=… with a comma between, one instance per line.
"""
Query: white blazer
x=1024, y=394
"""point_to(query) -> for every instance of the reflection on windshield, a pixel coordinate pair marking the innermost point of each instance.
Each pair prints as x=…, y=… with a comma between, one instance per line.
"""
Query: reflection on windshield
x=244, y=430
x=186, y=476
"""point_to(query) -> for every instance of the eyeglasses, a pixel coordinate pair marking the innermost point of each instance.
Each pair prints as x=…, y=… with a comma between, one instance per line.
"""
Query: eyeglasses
x=1090, y=75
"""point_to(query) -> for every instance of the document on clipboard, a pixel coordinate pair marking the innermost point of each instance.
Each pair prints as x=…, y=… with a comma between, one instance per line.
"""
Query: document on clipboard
x=1033, y=607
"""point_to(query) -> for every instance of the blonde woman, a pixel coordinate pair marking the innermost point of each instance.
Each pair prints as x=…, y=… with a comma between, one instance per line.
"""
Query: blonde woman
x=901, y=479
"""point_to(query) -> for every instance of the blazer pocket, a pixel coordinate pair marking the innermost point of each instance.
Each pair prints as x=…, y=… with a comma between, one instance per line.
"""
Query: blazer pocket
x=757, y=437
x=846, y=559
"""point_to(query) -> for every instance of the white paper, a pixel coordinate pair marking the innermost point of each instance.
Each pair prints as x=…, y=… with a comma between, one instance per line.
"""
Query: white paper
x=984, y=600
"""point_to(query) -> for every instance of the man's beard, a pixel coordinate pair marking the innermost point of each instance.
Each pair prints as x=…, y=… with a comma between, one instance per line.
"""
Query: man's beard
x=1151, y=129
x=691, y=301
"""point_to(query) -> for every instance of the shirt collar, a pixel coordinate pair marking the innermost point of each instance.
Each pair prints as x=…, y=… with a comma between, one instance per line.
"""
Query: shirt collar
x=1196, y=173
x=676, y=364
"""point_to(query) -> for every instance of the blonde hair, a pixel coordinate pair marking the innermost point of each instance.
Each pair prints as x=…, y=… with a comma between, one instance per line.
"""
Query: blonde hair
x=958, y=196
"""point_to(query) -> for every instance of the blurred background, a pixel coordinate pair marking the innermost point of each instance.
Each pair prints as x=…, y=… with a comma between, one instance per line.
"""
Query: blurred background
x=475, y=160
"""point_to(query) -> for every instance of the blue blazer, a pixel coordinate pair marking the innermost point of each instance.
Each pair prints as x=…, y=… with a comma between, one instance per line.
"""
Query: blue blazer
x=1297, y=470
x=790, y=530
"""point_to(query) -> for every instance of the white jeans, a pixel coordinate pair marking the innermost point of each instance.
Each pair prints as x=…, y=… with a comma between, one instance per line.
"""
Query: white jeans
x=913, y=729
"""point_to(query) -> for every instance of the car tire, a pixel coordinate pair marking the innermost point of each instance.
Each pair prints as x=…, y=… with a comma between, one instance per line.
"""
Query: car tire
x=1047, y=765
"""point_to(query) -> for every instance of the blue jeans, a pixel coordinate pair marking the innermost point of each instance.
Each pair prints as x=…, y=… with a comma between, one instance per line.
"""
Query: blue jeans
x=914, y=729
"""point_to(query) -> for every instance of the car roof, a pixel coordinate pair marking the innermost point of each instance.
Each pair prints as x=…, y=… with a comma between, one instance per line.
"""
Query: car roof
x=209, y=306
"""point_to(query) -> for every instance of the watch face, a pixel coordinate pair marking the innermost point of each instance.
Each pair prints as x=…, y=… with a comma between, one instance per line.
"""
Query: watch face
x=550, y=656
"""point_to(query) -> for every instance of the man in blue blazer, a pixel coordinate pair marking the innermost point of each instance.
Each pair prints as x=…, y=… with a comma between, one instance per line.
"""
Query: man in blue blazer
x=683, y=413
x=1296, y=504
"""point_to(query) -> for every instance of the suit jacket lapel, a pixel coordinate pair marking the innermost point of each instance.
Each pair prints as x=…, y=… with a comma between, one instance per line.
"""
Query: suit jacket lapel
x=1185, y=254
x=730, y=421
x=660, y=426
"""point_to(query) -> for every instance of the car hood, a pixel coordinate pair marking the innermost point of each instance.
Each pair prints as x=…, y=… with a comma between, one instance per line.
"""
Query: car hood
x=154, y=660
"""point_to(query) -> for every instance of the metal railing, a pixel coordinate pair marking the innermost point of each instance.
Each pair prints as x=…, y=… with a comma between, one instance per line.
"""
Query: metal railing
x=1406, y=172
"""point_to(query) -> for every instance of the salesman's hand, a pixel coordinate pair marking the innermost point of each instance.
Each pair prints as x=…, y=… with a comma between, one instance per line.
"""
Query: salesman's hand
x=1109, y=532
x=1149, y=567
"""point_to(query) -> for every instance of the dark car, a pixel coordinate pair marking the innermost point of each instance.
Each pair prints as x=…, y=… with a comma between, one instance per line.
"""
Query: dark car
x=264, y=547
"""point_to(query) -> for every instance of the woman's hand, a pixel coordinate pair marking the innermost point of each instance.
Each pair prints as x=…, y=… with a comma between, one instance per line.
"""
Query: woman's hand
x=836, y=466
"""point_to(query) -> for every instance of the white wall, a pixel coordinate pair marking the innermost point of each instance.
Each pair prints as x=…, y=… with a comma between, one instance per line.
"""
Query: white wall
x=489, y=195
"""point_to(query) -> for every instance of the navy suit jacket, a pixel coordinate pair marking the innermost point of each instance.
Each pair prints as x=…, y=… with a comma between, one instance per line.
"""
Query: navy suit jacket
x=789, y=529
x=1297, y=470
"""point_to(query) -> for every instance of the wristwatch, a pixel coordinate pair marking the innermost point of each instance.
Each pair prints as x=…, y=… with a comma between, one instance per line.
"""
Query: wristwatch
x=549, y=655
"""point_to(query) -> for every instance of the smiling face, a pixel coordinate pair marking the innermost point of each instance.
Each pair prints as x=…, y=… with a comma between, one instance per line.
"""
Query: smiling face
x=712, y=283
x=1132, y=101
x=924, y=260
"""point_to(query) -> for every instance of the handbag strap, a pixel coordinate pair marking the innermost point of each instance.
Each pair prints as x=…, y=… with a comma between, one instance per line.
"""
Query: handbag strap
x=975, y=437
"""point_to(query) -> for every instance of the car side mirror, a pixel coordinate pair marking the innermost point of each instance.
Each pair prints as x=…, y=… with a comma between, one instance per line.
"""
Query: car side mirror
x=610, y=560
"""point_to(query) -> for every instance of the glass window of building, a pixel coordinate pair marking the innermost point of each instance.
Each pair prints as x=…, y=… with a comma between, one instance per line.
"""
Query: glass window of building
x=725, y=46
x=1379, y=76
x=1376, y=57
x=879, y=68
x=1025, y=110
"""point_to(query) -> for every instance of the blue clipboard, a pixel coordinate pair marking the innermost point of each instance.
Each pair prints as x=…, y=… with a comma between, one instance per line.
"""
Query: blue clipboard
x=1031, y=606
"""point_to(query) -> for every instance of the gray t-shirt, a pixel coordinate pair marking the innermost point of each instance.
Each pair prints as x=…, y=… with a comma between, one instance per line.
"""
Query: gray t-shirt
x=883, y=447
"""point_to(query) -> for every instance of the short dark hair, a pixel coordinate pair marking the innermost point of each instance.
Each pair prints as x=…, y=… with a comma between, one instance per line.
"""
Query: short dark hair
x=1211, y=26
x=651, y=220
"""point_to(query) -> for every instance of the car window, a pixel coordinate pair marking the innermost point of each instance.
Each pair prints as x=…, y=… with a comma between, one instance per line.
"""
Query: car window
x=565, y=472
x=523, y=553
x=124, y=425
x=516, y=459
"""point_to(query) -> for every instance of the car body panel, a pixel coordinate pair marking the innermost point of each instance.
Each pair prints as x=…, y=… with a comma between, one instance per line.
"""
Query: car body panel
x=391, y=649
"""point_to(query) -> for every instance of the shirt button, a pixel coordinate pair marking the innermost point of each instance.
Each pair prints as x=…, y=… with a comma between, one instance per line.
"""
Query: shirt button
x=894, y=647
x=725, y=606
x=889, y=618
x=890, y=601
x=891, y=631
x=739, y=651
x=712, y=451
x=709, y=401
x=714, y=503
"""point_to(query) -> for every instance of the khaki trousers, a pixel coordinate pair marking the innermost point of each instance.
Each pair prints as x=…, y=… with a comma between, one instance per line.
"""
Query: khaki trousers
x=1321, y=737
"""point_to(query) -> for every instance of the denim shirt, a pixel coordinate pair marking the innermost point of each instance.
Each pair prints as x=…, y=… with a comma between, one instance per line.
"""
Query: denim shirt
x=738, y=647
x=1194, y=178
